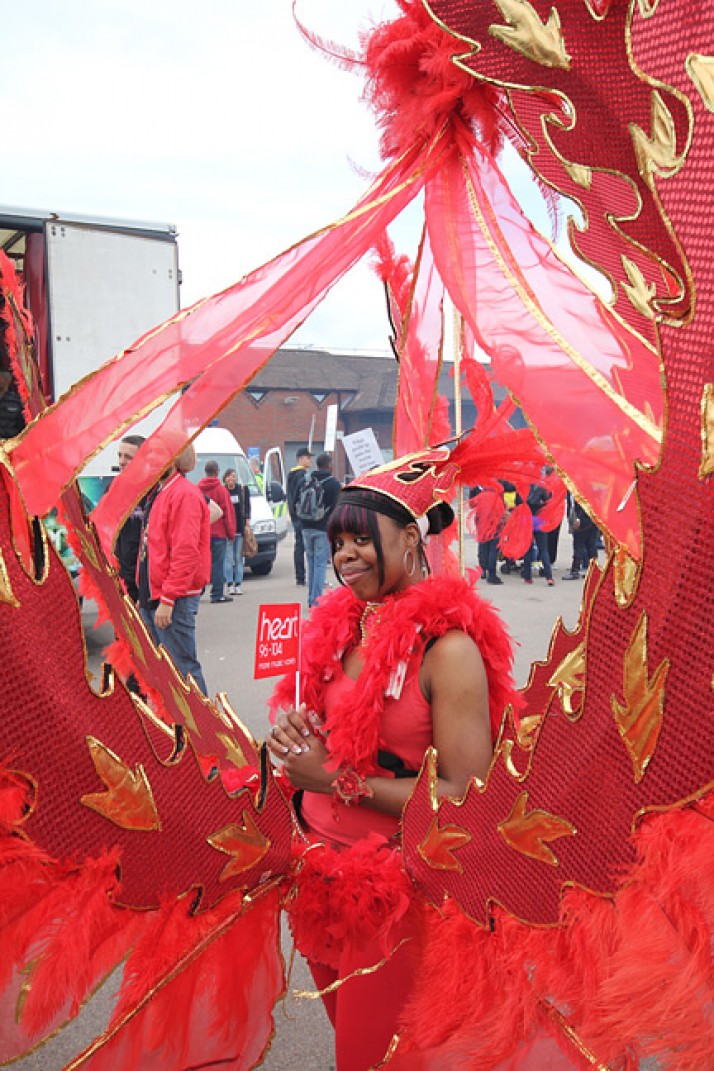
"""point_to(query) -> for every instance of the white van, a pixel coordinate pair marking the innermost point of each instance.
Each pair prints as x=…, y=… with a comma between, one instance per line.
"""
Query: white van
x=219, y=444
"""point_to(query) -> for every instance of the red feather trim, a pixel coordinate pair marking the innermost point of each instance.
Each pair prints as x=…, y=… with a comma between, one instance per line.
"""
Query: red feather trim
x=347, y=898
x=416, y=89
x=487, y=513
x=517, y=534
x=633, y=978
x=407, y=622
x=199, y=988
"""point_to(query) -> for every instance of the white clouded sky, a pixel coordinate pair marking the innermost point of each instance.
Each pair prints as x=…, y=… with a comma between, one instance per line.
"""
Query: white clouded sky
x=217, y=117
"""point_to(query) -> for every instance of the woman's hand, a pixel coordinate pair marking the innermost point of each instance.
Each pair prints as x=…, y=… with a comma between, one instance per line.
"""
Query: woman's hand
x=303, y=754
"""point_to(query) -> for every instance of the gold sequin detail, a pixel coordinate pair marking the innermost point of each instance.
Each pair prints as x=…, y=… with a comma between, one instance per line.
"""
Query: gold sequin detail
x=639, y=718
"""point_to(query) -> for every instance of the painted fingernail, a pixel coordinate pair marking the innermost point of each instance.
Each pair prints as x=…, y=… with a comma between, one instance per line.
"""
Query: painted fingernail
x=306, y=731
x=305, y=748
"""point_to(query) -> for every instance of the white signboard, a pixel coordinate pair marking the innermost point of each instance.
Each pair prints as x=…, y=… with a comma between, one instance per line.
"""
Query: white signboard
x=362, y=451
x=330, y=428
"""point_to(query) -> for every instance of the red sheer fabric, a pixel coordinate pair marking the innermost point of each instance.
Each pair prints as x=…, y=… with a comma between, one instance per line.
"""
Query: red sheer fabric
x=552, y=342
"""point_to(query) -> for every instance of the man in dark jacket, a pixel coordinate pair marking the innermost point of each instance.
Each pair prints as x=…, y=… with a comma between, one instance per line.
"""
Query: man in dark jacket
x=295, y=479
x=222, y=530
x=128, y=541
x=314, y=531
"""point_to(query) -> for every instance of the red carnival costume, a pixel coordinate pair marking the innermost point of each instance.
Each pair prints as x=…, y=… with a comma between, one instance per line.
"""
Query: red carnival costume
x=353, y=906
x=567, y=902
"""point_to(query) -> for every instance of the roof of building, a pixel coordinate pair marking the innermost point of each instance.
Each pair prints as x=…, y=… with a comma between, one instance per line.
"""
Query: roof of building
x=366, y=382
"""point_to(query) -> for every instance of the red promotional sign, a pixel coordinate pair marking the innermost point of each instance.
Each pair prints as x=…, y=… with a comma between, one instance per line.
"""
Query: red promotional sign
x=277, y=639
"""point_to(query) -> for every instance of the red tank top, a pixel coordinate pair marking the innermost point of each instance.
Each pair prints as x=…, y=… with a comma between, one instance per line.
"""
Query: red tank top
x=406, y=731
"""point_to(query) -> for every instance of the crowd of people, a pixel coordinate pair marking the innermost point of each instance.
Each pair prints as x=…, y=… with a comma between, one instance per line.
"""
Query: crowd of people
x=550, y=506
x=183, y=538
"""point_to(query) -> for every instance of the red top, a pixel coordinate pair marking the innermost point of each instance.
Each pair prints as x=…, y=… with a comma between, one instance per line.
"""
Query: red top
x=225, y=526
x=406, y=731
x=179, y=543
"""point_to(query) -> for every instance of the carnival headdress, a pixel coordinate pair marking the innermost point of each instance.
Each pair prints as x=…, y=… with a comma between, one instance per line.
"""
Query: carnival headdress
x=422, y=484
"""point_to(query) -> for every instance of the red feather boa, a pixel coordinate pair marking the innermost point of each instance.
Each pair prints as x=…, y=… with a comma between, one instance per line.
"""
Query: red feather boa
x=349, y=897
x=408, y=620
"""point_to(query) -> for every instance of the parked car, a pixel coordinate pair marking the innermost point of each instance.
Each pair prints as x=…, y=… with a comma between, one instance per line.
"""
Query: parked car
x=219, y=444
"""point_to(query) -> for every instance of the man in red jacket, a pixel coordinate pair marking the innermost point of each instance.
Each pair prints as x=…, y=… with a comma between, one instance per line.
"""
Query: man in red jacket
x=177, y=543
x=222, y=530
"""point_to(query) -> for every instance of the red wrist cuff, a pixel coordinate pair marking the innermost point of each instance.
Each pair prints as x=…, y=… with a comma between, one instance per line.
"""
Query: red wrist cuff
x=350, y=789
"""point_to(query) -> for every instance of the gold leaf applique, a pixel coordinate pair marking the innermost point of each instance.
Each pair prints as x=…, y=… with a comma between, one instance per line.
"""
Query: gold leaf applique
x=638, y=290
x=706, y=465
x=639, y=718
x=580, y=174
x=244, y=843
x=529, y=833
x=569, y=678
x=439, y=844
x=128, y=801
x=541, y=42
x=647, y=8
x=660, y=150
x=626, y=572
x=701, y=70
x=234, y=752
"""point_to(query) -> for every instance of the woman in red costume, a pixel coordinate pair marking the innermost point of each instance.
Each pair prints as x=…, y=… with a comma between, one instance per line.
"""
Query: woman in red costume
x=392, y=663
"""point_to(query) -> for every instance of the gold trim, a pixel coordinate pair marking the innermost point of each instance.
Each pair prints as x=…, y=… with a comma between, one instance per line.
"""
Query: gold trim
x=530, y=301
x=172, y=973
x=7, y=595
x=360, y=972
x=364, y=208
x=706, y=464
x=573, y=1037
x=551, y=118
x=700, y=69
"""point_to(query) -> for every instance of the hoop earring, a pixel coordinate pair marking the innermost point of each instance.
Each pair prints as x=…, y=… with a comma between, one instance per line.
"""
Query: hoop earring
x=409, y=571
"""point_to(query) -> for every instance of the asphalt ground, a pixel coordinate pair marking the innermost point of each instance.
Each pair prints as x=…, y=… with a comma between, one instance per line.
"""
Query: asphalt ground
x=226, y=644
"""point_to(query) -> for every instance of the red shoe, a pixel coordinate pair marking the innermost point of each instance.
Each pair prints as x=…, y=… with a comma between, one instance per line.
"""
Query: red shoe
x=527, y=581
x=550, y=583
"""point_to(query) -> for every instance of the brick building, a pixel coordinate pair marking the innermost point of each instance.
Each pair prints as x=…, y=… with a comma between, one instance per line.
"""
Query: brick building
x=278, y=406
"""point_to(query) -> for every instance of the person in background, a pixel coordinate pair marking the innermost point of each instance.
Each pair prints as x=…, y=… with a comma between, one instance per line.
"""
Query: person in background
x=223, y=530
x=314, y=533
x=257, y=469
x=555, y=509
x=295, y=478
x=128, y=540
x=177, y=548
x=240, y=497
x=537, y=498
x=488, y=548
x=585, y=535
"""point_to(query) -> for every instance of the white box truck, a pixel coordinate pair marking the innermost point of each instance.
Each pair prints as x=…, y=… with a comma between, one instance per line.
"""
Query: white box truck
x=219, y=444
x=93, y=286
